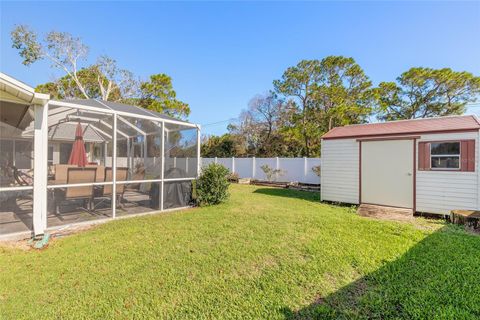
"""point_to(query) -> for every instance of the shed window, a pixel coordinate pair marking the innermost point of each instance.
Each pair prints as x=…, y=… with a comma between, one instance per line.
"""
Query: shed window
x=445, y=155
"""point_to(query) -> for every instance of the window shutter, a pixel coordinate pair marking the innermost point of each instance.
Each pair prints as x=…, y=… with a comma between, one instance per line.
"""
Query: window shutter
x=423, y=156
x=467, y=156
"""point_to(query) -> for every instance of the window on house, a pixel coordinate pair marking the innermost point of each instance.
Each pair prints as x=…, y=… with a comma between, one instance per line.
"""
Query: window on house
x=445, y=155
x=97, y=154
x=65, y=150
x=23, y=154
x=50, y=155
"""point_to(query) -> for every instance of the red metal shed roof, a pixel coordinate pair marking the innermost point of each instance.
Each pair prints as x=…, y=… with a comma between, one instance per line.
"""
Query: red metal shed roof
x=406, y=127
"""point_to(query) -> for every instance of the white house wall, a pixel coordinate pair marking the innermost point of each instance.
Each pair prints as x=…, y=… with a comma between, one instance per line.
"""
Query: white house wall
x=443, y=191
x=339, y=170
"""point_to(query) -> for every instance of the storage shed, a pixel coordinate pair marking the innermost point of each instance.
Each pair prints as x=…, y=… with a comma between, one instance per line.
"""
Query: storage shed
x=426, y=165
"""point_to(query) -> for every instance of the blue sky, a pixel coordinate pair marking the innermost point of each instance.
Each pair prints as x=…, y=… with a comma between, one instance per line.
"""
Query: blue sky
x=220, y=54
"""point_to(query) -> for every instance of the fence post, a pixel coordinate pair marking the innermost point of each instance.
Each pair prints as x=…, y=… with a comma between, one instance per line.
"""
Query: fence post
x=253, y=167
x=277, y=167
x=186, y=164
x=233, y=164
x=305, y=160
x=215, y=160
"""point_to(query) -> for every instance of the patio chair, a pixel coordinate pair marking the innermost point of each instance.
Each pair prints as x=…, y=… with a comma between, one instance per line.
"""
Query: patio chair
x=11, y=176
x=135, y=177
x=22, y=178
x=100, y=177
x=61, y=172
x=85, y=193
x=107, y=191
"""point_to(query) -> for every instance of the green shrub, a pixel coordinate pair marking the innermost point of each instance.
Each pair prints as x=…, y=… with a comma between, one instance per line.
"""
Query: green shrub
x=212, y=185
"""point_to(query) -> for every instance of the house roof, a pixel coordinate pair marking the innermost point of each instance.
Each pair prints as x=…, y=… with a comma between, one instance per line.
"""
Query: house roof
x=406, y=127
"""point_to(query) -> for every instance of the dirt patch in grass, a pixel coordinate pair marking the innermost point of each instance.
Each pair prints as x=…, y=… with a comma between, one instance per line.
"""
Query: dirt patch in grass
x=15, y=244
x=27, y=244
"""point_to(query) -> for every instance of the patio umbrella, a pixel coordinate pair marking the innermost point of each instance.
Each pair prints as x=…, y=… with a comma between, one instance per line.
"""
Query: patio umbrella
x=78, y=155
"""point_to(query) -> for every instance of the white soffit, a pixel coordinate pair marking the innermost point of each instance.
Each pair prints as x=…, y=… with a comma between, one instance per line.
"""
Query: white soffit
x=18, y=92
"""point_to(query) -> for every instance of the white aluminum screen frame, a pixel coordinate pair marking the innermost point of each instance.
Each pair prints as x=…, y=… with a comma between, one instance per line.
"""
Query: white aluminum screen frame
x=41, y=186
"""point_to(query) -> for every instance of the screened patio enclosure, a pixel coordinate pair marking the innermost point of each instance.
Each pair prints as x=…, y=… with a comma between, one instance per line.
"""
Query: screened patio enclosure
x=76, y=161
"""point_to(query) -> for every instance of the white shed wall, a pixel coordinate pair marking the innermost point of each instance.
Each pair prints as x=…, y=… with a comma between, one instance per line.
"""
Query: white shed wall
x=339, y=170
x=443, y=191
x=436, y=191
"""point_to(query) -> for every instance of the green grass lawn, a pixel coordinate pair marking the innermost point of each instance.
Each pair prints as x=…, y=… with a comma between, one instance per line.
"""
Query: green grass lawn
x=265, y=254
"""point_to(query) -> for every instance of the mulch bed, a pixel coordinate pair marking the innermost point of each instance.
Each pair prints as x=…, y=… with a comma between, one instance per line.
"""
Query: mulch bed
x=287, y=185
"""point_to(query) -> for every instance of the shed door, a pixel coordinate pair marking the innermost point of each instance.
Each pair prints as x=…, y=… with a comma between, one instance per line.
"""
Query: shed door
x=387, y=173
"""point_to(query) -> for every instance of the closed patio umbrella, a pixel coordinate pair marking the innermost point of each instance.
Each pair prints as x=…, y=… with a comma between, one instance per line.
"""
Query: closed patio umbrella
x=78, y=155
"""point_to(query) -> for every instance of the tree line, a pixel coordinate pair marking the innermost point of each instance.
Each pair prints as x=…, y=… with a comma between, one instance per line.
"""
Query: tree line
x=103, y=79
x=309, y=99
x=314, y=96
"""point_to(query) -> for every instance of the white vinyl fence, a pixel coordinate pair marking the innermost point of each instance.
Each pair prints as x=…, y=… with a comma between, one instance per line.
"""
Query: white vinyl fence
x=291, y=169
x=154, y=165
